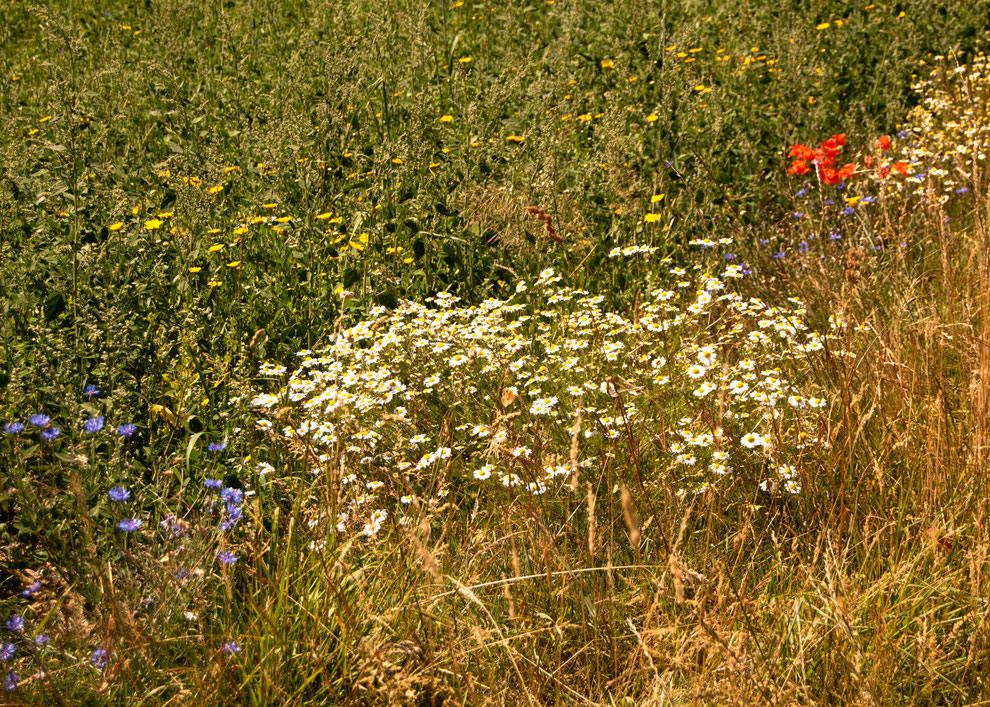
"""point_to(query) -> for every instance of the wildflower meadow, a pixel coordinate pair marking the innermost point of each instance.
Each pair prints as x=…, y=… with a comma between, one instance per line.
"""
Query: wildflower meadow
x=526, y=353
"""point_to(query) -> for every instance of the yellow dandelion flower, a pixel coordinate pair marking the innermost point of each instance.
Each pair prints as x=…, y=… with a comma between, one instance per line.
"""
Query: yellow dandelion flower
x=464, y=60
x=195, y=269
x=234, y=264
x=823, y=25
x=45, y=119
x=217, y=189
x=515, y=138
x=608, y=64
x=446, y=119
x=270, y=206
x=651, y=218
x=657, y=198
x=324, y=216
x=152, y=224
x=240, y=231
x=652, y=118
x=216, y=247
x=396, y=160
x=116, y=226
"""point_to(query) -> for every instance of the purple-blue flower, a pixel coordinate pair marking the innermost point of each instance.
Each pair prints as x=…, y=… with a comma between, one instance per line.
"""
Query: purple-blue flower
x=29, y=591
x=127, y=429
x=50, y=433
x=93, y=425
x=212, y=483
x=227, y=558
x=10, y=682
x=129, y=525
x=230, y=647
x=91, y=391
x=39, y=420
x=7, y=651
x=119, y=494
x=15, y=623
x=232, y=495
x=216, y=446
x=99, y=658
x=42, y=639
x=13, y=428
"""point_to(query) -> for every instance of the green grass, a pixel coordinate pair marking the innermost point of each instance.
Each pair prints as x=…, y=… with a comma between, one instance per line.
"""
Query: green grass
x=188, y=190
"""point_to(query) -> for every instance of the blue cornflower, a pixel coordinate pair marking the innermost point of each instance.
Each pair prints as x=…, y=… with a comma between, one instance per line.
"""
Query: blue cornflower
x=129, y=525
x=7, y=651
x=848, y=211
x=802, y=192
x=15, y=623
x=13, y=428
x=231, y=495
x=781, y=254
x=902, y=134
x=119, y=494
x=181, y=573
x=127, y=429
x=730, y=256
x=216, y=446
x=212, y=483
x=227, y=558
x=99, y=658
x=869, y=199
x=94, y=425
x=764, y=241
x=803, y=247
x=29, y=591
x=39, y=420
x=91, y=391
x=962, y=190
x=835, y=237
x=229, y=524
x=230, y=647
x=797, y=214
x=42, y=639
x=829, y=202
x=50, y=433
x=10, y=682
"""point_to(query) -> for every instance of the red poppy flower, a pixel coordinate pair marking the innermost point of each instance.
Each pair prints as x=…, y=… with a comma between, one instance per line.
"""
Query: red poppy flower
x=883, y=142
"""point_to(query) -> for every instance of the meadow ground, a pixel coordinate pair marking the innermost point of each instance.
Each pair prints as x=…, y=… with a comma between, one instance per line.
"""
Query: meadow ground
x=546, y=352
